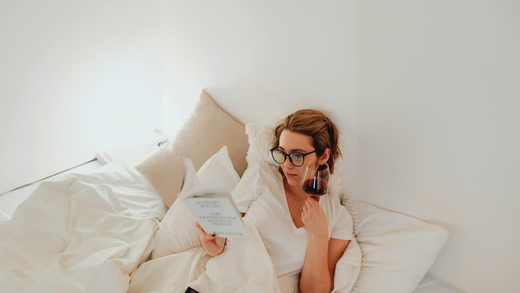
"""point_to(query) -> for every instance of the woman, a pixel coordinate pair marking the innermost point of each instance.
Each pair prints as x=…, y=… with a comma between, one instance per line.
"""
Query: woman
x=304, y=237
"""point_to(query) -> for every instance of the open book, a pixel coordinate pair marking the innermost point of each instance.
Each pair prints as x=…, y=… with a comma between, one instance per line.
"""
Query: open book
x=212, y=205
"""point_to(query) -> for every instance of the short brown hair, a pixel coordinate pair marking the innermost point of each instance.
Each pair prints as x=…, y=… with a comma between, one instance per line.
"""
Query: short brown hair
x=314, y=124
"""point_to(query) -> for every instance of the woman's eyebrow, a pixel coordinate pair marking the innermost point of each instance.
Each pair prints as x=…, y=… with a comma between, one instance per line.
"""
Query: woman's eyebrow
x=293, y=150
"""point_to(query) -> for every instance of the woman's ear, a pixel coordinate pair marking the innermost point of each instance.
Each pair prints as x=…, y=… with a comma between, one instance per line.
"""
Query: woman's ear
x=325, y=157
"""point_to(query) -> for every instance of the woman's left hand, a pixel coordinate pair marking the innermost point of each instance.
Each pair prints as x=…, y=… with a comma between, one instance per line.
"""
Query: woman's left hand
x=314, y=219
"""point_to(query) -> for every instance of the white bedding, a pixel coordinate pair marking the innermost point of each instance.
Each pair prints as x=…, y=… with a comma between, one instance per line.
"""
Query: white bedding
x=244, y=266
x=11, y=200
x=89, y=232
x=80, y=233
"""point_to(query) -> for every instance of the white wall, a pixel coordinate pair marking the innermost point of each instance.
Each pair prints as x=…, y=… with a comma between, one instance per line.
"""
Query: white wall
x=76, y=77
x=262, y=60
x=439, y=130
x=438, y=83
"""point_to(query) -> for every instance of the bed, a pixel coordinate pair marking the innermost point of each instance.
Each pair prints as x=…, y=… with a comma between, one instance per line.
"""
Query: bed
x=114, y=225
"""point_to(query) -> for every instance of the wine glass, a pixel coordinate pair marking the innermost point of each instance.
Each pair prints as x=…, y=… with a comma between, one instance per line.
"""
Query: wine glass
x=316, y=182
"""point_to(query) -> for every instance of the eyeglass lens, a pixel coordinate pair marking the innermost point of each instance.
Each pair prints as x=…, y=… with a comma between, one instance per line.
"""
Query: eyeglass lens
x=295, y=158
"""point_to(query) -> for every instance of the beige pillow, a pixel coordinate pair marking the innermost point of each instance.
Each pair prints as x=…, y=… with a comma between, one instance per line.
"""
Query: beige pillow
x=207, y=130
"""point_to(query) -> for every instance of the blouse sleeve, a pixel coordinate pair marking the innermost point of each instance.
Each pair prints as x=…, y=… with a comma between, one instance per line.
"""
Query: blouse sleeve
x=246, y=190
x=343, y=225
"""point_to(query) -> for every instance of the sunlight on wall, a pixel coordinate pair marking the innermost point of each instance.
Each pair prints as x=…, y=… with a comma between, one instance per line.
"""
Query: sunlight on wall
x=77, y=77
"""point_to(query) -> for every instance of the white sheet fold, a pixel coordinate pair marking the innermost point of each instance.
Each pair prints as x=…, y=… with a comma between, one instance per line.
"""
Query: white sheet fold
x=80, y=233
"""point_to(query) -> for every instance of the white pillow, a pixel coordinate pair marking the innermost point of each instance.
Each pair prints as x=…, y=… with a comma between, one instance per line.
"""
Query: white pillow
x=177, y=231
x=431, y=285
x=260, y=137
x=397, y=249
x=348, y=268
x=218, y=167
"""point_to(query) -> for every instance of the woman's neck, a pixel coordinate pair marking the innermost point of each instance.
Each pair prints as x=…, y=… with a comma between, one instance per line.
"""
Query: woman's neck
x=296, y=191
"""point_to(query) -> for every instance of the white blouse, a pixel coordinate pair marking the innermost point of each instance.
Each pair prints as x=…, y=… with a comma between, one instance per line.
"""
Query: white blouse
x=261, y=195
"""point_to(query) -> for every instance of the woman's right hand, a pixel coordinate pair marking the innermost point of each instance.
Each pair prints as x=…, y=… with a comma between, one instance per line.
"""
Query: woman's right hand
x=212, y=244
x=314, y=219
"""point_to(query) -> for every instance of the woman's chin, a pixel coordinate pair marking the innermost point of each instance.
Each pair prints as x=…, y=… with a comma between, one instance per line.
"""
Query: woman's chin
x=294, y=181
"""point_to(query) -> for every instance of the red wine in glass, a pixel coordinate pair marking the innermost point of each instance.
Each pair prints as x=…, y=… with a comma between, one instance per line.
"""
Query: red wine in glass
x=315, y=186
x=315, y=182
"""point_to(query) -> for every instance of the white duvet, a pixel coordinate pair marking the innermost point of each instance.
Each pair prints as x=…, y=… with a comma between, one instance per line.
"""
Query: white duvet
x=80, y=233
x=244, y=266
x=92, y=233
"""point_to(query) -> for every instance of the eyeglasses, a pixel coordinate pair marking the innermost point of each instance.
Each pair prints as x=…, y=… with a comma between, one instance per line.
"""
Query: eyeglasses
x=296, y=158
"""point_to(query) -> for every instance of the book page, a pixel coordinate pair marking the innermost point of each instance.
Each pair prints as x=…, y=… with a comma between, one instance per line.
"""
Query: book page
x=212, y=205
x=217, y=215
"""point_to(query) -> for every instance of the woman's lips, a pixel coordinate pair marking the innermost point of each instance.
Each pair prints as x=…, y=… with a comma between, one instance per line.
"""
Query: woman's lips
x=290, y=175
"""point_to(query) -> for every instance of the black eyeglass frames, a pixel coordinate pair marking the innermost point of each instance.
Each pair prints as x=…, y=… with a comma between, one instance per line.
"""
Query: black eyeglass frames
x=295, y=158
